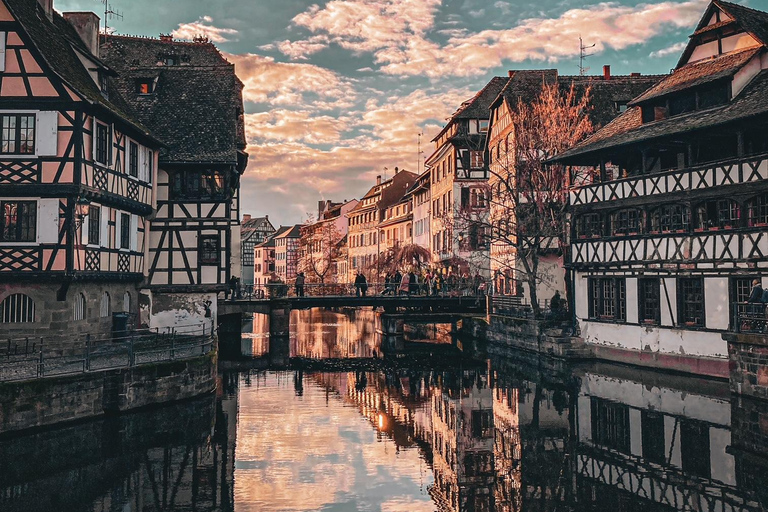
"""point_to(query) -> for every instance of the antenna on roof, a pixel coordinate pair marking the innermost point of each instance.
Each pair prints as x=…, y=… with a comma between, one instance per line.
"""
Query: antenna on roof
x=418, y=154
x=110, y=13
x=583, y=55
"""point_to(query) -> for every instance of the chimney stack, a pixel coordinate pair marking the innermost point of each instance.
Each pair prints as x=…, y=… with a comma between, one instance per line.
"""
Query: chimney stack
x=246, y=217
x=87, y=26
x=510, y=73
x=396, y=171
x=47, y=6
x=634, y=75
x=378, y=179
x=166, y=38
x=606, y=72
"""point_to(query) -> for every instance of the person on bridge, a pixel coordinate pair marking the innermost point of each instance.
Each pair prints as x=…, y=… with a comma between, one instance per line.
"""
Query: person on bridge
x=396, y=280
x=361, y=284
x=413, y=283
x=404, y=284
x=300, y=284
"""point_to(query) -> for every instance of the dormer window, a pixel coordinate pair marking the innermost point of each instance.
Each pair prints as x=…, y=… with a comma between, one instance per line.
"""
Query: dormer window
x=145, y=86
x=103, y=83
x=170, y=60
x=690, y=100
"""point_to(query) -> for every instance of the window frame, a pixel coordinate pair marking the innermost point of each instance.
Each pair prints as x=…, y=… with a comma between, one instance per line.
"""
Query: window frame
x=133, y=159
x=204, y=254
x=125, y=230
x=94, y=225
x=607, y=299
x=684, y=302
x=25, y=232
x=17, y=132
x=101, y=143
x=644, y=285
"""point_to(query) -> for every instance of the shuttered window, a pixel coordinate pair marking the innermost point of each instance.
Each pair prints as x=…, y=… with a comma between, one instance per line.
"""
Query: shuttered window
x=17, y=134
x=78, y=309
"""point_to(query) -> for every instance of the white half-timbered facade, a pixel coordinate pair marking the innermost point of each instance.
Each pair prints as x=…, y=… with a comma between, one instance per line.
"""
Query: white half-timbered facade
x=76, y=178
x=188, y=94
x=669, y=203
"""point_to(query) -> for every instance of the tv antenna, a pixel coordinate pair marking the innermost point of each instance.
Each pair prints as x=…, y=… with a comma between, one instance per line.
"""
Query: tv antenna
x=418, y=154
x=110, y=14
x=583, y=55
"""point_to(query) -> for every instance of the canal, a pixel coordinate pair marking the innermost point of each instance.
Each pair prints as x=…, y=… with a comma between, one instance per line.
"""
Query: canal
x=339, y=418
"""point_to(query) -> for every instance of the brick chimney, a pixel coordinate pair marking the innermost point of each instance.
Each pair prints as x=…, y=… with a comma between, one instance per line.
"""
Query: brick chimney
x=47, y=6
x=635, y=75
x=246, y=217
x=87, y=26
x=378, y=179
x=606, y=72
x=166, y=38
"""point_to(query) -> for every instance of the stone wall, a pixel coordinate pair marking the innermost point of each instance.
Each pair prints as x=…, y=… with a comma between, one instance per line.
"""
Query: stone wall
x=54, y=319
x=49, y=401
x=748, y=354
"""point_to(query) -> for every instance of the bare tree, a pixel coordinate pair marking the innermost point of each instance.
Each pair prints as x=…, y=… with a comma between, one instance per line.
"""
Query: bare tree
x=319, y=246
x=526, y=195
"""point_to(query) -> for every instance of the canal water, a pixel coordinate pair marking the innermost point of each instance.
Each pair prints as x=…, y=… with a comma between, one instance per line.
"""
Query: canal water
x=338, y=418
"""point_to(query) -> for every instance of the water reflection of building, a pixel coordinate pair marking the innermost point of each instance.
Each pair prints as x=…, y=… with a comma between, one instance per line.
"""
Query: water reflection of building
x=321, y=333
x=660, y=445
x=171, y=458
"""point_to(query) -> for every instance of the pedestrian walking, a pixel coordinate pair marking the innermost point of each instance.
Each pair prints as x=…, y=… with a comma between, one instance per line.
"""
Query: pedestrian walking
x=300, y=284
x=413, y=285
x=404, y=284
x=361, y=285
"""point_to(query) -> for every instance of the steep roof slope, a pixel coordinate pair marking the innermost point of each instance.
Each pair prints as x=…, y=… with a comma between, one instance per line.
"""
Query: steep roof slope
x=197, y=106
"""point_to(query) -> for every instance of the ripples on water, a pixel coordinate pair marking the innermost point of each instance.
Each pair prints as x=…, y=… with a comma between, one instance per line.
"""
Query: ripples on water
x=498, y=433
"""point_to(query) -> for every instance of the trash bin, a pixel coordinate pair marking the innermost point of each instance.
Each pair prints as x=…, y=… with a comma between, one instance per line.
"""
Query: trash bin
x=120, y=326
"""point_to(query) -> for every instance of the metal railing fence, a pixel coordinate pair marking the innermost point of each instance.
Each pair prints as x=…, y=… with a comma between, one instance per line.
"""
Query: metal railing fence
x=83, y=355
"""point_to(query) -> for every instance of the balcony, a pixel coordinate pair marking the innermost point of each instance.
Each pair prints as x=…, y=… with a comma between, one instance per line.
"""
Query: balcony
x=729, y=172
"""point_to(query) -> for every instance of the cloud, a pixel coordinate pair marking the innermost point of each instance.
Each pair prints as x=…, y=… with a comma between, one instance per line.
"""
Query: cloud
x=504, y=7
x=300, y=50
x=368, y=25
x=396, y=33
x=670, y=50
x=290, y=83
x=294, y=126
x=477, y=14
x=203, y=27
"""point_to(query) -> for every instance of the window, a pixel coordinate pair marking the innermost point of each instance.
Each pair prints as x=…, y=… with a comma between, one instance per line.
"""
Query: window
x=94, y=225
x=105, y=307
x=170, y=60
x=714, y=96
x=690, y=297
x=198, y=185
x=607, y=299
x=476, y=159
x=721, y=213
x=78, y=312
x=671, y=218
x=17, y=308
x=133, y=159
x=484, y=125
x=19, y=221
x=652, y=426
x=589, y=225
x=102, y=143
x=482, y=424
x=695, y=448
x=649, y=299
x=125, y=231
x=17, y=136
x=682, y=103
x=145, y=86
x=610, y=424
x=758, y=211
x=209, y=250
x=627, y=222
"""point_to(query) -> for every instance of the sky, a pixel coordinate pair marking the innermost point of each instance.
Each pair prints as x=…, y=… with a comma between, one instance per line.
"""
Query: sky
x=339, y=91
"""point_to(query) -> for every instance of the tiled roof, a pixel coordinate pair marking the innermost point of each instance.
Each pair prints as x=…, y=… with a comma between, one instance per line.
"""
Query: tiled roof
x=629, y=129
x=291, y=232
x=54, y=39
x=477, y=107
x=753, y=21
x=197, y=106
x=698, y=73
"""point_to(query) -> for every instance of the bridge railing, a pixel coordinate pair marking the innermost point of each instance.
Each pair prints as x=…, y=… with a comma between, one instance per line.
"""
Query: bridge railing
x=279, y=290
x=85, y=354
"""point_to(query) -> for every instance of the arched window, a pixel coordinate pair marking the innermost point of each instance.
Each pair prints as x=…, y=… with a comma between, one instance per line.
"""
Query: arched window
x=127, y=302
x=106, y=305
x=17, y=308
x=589, y=225
x=627, y=222
x=671, y=218
x=758, y=210
x=79, y=307
x=719, y=213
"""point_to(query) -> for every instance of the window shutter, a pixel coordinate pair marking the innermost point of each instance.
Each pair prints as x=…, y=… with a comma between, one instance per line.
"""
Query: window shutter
x=48, y=221
x=2, y=51
x=46, y=128
x=84, y=230
x=134, y=244
x=104, y=231
x=118, y=222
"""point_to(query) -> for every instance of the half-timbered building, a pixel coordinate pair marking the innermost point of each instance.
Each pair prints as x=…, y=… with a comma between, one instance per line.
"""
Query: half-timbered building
x=458, y=173
x=670, y=203
x=253, y=231
x=77, y=170
x=609, y=95
x=189, y=95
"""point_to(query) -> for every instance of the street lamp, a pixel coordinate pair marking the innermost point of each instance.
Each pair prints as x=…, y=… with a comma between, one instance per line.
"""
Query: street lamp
x=82, y=207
